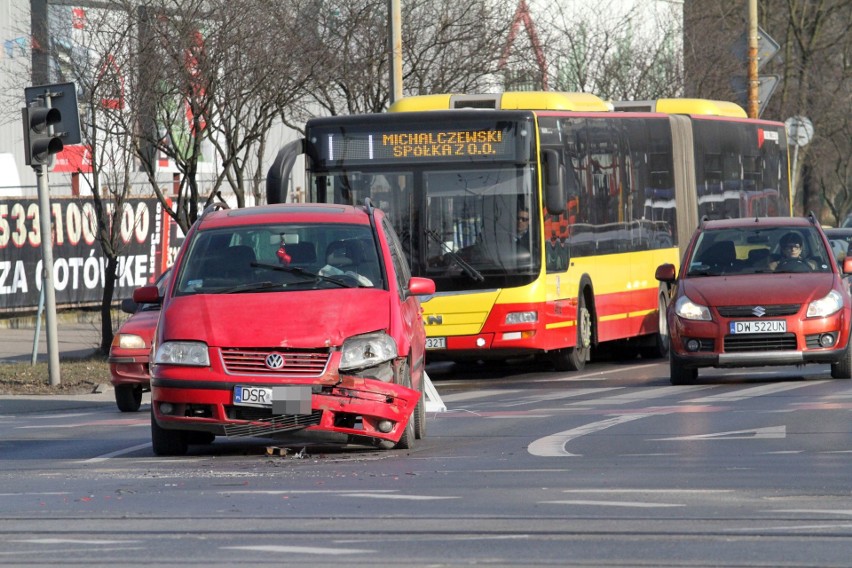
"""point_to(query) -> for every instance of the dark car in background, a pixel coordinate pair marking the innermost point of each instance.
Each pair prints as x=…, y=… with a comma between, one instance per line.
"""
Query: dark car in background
x=131, y=348
x=758, y=291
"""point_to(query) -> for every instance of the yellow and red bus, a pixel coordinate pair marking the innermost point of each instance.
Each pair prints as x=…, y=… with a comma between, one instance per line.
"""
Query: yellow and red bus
x=610, y=191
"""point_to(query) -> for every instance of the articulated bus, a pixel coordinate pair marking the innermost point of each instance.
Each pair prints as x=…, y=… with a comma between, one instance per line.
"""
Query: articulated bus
x=608, y=191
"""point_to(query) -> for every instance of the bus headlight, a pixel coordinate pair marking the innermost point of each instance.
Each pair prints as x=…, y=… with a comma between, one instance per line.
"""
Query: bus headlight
x=521, y=317
x=367, y=350
x=190, y=353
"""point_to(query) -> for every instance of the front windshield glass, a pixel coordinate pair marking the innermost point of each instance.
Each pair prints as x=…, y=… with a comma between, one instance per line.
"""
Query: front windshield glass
x=758, y=250
x=282, y=257
x=464, y=228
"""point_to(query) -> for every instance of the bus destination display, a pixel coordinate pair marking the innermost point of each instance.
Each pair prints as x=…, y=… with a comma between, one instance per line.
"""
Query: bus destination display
x=485, y=143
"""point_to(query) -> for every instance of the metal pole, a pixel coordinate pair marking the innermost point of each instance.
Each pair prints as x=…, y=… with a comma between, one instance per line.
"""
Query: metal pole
x=753, y=79
x=37, y=333
x=395, y=25
x=47, y=271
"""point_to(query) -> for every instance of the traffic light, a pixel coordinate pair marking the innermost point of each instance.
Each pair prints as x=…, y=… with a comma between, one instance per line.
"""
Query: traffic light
x=40, y=142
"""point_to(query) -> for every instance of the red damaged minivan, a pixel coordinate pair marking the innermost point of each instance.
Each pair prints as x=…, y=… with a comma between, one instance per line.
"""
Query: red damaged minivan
x=289, y=317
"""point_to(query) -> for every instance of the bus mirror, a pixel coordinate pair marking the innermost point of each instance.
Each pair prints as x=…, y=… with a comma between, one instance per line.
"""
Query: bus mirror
x=554, y=190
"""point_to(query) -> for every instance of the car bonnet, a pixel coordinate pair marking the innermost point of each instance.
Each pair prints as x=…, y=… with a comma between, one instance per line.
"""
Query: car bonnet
x=310, y=320
x=754, y=289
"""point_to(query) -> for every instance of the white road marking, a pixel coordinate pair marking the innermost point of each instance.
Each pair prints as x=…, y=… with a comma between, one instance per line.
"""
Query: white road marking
x=640, y=504
x=301, y=549
x=400, y=497
x=752, y=392
x=554, y=445
x=129, y=450
x=477, y=394
x=637, y=395
x=69, y=541
x=770, y=432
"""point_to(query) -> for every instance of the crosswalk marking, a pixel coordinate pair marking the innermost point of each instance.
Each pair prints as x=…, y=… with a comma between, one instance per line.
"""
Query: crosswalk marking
x=743, y=394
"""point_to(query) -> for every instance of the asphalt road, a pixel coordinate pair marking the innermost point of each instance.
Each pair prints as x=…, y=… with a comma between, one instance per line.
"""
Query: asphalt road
x=609, y=467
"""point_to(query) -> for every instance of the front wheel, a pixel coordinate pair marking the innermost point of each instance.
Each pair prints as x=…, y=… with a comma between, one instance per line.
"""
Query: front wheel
x=574, y=358
x=128, y=398
x=660, y=347
x=168, y=442
x=843, y=368
x=681, y=375
x=406, y=442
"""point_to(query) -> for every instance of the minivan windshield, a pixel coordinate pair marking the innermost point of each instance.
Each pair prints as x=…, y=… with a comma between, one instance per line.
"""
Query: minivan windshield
x=281, y=257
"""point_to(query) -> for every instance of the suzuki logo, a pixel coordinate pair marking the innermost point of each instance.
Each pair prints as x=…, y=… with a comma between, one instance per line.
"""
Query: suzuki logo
x=434, y=320
x=274, y=361
x=759, y=311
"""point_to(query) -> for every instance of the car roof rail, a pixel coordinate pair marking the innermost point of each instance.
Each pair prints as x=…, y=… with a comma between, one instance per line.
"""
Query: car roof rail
x=211, y=208
x=704, y=219
x=812, y=218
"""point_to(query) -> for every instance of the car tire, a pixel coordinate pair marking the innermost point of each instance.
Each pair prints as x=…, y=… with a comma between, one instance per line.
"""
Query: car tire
x=420, y=411
x=679, y=374
x=200, y=438
x=843, y=368
x=660, y=348
x=406, y=442
x=574, y=358
x=128, y=398
x=168, y=442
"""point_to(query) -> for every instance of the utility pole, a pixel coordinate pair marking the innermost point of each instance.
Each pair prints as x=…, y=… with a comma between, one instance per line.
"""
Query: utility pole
x=753, y=80
x=395, y=26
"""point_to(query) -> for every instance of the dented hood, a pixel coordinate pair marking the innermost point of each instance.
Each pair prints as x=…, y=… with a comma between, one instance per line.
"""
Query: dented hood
x=305, y=319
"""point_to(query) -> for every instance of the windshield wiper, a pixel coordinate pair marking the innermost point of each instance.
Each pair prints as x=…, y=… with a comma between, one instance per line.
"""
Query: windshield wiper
x=250, y=287
x=468, y=269
x=302, y=272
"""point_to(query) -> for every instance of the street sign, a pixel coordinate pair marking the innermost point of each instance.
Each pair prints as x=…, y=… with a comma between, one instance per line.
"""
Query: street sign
x=766, y=86
x=800, y=131
x=766, y=48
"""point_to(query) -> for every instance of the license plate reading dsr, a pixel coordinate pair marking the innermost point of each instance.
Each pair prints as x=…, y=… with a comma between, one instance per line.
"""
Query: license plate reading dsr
x=291, y=399
x=758, y=326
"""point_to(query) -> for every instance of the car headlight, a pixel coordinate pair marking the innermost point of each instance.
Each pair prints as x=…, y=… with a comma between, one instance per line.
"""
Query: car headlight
x=687, y=309
x=192, y=353
x=129, y=341
x=367, y=350
x=521, y=317
x=825, y=306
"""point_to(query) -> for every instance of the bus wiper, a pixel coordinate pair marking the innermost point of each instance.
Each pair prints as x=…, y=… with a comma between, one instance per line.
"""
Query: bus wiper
x=468, y=269
x=302, y=272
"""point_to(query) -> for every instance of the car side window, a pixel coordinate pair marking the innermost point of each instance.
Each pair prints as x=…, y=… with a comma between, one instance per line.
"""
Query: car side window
x=400, y=263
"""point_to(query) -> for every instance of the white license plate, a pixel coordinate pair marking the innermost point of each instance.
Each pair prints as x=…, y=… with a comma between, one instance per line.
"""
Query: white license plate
x=252, y=396
x=759, y=326
x=436, y=343
x=292, y=399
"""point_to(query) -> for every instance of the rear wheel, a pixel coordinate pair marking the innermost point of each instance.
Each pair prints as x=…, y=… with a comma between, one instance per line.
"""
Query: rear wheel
x=843, y=368
x=660, y=347
x=574, y=358
x=168, y=442
x=681, y=375
x=128, y=398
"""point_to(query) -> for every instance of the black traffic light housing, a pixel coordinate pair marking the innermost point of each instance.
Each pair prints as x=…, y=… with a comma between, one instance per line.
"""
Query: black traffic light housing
x=40, y=141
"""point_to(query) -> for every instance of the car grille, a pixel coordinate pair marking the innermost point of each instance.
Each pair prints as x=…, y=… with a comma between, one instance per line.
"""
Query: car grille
x=771, y=311
x=768, y=342
x=264, y=423
x=296, y=362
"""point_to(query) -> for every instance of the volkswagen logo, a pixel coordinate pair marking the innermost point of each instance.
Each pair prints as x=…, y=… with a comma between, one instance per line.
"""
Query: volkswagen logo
x=274, y=361
x=759, y=311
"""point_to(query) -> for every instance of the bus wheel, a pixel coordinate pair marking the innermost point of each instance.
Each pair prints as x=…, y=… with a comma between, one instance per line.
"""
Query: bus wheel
x=574, y=358
x=660, y=347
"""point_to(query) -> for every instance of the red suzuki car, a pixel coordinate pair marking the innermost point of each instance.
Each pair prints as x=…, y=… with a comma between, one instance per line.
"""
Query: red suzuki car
x=289, y=317
x=758, y=291
x=131, y=346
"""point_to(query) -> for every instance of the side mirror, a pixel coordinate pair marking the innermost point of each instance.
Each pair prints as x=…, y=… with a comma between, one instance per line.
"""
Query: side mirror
x=421, y=286
x=554, y=189
x=665, y=273
x=847, y=265
x=147, y=295
x=128, y=306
